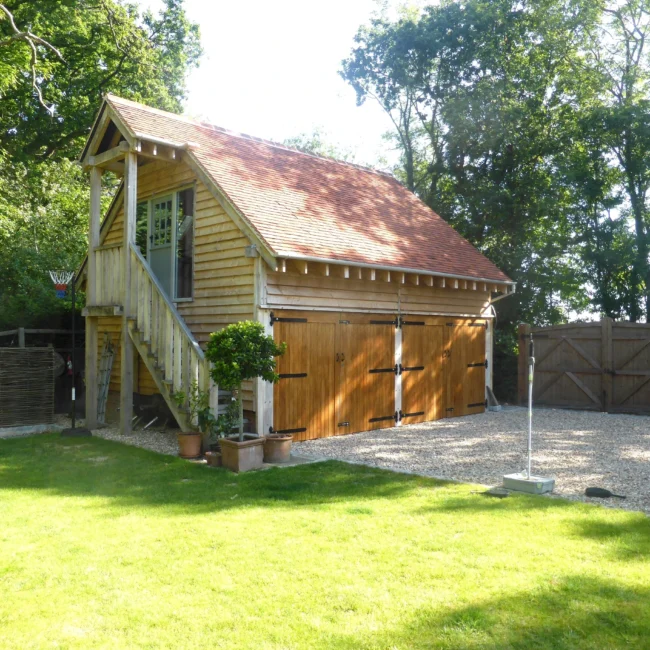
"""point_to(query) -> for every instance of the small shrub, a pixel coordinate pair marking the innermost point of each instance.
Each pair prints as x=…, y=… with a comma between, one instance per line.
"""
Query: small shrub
x=238, y=353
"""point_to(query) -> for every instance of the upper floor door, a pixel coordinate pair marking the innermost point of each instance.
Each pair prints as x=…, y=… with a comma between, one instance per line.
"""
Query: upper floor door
x=165, y=235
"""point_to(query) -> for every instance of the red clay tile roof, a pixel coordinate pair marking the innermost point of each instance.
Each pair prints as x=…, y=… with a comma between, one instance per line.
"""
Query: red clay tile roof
x=304, y=205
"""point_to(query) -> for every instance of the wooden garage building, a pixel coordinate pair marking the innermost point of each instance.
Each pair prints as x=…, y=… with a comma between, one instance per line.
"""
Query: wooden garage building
x=384, y=307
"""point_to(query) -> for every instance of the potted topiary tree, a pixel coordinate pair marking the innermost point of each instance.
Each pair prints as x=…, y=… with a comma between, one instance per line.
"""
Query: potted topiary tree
x=238, y=353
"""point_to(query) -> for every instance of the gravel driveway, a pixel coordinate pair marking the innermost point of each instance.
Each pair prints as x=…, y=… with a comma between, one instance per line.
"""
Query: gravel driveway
x=577, y=448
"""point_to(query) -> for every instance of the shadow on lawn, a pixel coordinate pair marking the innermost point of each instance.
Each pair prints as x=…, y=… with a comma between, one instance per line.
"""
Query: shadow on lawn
x=571, y=612
x=140, y=478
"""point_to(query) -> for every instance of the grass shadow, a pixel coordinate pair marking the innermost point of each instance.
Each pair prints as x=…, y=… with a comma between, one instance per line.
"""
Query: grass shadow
x=141, y=478
x=569, y=613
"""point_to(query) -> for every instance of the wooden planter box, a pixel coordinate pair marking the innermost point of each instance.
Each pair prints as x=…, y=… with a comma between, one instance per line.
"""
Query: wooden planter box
x=242, y=456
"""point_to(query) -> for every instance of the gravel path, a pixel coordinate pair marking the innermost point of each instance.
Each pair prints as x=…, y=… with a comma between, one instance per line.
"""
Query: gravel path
x=578, y=448
x=161, y=440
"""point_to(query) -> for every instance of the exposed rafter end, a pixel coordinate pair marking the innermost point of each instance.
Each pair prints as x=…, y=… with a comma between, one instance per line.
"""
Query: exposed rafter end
x=156, y=151
x=303, y=267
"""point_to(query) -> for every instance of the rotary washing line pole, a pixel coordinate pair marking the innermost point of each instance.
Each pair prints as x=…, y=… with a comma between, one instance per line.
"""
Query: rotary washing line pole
x=525, y=481
x=531, y=374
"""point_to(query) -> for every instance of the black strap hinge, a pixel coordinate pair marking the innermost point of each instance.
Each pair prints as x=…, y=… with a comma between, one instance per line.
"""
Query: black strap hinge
x=410, y=415
x=409, y=368
x=395, y=322
x=277, y=319
x=300, y=430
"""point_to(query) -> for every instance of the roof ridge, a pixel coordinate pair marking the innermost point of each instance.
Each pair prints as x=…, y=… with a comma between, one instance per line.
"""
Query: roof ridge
x=245, y=136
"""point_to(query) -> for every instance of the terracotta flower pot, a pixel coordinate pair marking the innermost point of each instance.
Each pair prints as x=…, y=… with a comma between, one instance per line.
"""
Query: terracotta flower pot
x=189, y=444
x=213, y=458
x=242, y=456
x=277, y=447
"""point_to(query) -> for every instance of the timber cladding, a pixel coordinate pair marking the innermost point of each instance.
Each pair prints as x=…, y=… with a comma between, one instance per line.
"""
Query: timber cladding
x=345, y=372
x=601, y=366
x=295, y=290
x=26, y=386
x=223, y=277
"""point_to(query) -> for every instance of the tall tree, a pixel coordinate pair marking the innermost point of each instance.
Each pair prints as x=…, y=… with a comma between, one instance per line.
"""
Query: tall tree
x=52, y=80
x=480, y=93
x=619, y=58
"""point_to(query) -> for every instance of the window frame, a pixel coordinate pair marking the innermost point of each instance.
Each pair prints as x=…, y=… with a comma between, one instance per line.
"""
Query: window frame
x=174, y=196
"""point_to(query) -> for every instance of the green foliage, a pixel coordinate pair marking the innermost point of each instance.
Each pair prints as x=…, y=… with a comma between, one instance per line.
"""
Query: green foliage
x=525, y=125
x=43, y=221
x=198, y=403
x=227, y=421
x=239, y=352
x=106, y=46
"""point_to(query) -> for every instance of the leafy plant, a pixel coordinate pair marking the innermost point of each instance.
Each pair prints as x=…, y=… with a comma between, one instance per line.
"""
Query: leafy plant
x=227, y=421
x=240, y=352
x=198, y=403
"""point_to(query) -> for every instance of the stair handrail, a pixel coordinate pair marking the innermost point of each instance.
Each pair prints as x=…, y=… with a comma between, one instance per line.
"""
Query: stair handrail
x=163, y=294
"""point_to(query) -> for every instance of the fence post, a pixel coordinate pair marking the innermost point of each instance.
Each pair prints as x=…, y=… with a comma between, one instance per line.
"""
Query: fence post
x=21, y=337
x=607, y=361
x=522, y=383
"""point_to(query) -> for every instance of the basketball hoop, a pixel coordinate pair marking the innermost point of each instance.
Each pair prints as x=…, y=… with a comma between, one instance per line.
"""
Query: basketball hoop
x=61, y=280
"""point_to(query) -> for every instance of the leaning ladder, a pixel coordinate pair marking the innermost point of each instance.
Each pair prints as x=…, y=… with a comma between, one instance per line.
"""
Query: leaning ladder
x=104, y=378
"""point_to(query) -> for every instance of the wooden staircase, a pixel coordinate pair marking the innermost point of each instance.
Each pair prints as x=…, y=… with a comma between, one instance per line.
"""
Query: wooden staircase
x=163, y=340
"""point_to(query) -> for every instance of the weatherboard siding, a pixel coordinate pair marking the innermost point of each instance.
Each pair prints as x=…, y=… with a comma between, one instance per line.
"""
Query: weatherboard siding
x=305, y=291
x=223, y=275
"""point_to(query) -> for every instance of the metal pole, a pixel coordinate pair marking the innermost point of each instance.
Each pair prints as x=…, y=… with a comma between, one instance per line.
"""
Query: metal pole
x=74, y=365
x=531, y=372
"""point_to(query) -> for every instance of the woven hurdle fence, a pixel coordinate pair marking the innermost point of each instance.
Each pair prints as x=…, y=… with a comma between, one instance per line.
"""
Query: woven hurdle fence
x=599, y=366
x=27, y=378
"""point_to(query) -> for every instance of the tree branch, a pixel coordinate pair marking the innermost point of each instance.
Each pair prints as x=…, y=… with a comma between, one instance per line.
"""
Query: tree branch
x=31, y=40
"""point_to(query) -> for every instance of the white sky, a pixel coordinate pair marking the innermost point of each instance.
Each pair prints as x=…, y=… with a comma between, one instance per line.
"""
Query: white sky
x=270, y=69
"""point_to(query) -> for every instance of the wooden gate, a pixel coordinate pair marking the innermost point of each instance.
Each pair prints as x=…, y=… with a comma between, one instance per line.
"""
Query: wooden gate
x=628, y=347
x=601, y=366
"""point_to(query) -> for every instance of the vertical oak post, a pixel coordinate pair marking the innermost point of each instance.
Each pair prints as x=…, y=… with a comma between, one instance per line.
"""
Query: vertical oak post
x=607, y=362
x=522, y=384
x=130, y=200
x=21, y=337
x=92, y=343
x=398, y=361
x=489, y=353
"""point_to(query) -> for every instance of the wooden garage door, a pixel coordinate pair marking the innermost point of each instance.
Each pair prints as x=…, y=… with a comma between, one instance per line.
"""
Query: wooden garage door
x=338, y=374
x=464, y=351
x=304, y=400
x=422, y=369
x=366, y=360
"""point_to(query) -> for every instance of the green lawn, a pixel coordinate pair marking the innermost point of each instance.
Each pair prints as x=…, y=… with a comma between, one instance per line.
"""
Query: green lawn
x=108, y=546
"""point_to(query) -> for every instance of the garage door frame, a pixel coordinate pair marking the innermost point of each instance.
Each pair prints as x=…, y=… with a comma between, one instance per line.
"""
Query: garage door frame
x=399, y=322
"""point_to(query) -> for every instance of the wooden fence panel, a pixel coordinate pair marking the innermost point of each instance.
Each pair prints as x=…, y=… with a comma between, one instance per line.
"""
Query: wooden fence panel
x=631, y=367
x=27, y=378
x=601, y=366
